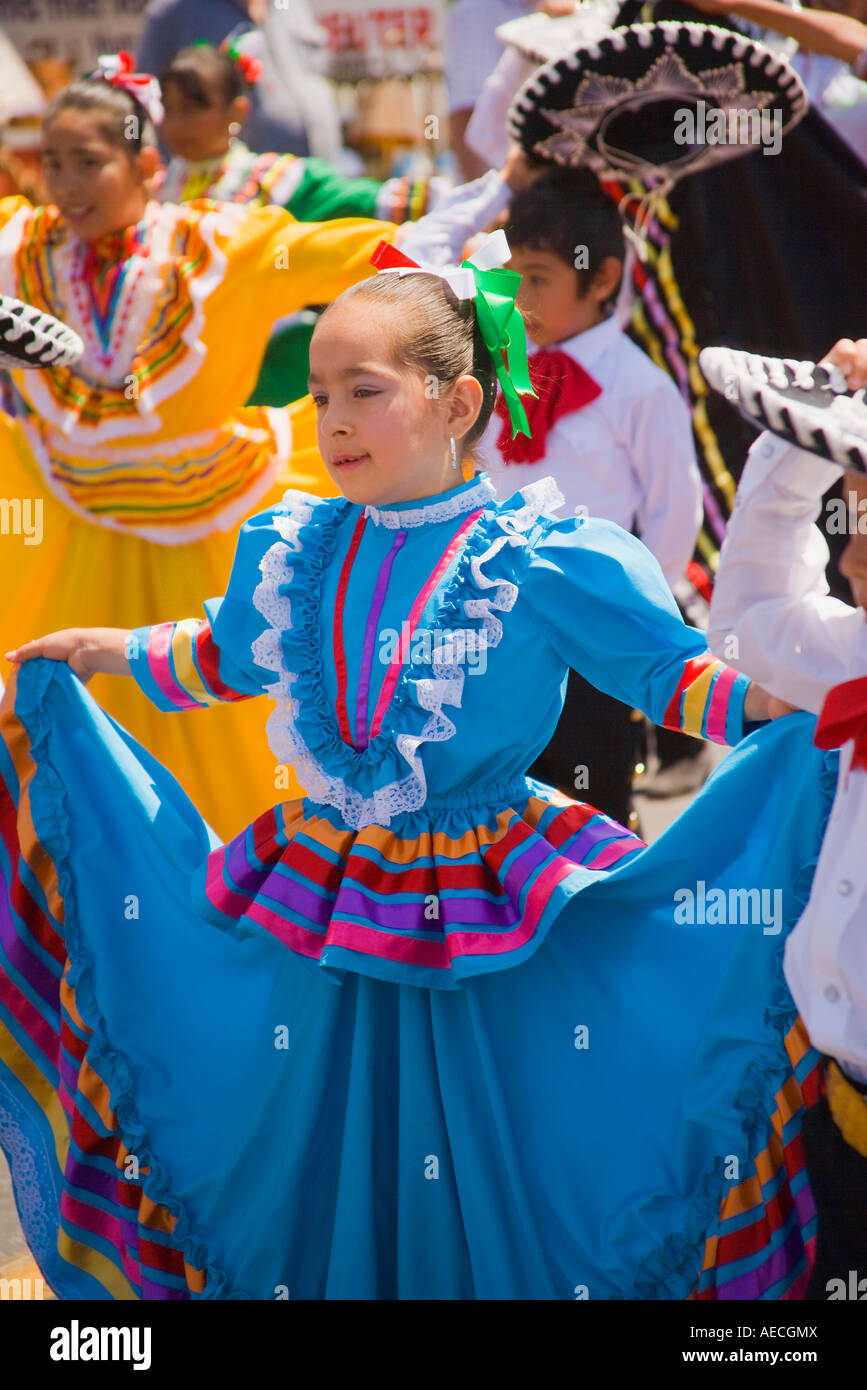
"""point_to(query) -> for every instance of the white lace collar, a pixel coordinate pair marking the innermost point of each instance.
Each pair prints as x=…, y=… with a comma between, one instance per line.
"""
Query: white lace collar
x=429, y=510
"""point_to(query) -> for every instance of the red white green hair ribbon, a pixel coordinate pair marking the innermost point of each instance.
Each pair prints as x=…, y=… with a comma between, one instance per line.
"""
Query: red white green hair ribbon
x=118, y=70
x=493, y=289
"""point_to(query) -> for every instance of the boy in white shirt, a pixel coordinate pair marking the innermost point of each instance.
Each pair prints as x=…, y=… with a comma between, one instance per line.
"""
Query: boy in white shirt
x=609, y=426
x=627, y=454
x=774, y=619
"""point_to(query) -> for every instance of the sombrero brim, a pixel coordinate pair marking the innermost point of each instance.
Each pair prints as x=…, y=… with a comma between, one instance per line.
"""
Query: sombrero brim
x=29, y=338
x=658, y=101
x=806, y=404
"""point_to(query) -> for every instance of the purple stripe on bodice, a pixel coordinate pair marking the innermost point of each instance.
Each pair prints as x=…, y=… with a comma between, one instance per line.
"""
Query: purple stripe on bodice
x=373, y=617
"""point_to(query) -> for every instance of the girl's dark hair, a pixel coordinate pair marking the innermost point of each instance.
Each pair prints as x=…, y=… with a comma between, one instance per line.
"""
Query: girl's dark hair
x=563, y=210
x=199, y=71
x=113, y=105
x=437, y=333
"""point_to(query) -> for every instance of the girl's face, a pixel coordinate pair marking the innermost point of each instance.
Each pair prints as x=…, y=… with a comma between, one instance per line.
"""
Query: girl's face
x=195, y=132
x=383, y=431
x=98, y=184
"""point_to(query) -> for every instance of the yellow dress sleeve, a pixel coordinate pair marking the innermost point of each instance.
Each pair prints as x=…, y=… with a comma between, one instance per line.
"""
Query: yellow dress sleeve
x=9, y=206
x=300, y=263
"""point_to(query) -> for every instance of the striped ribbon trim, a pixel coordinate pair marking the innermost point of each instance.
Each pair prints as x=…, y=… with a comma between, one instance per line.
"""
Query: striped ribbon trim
x=700, y=703
x=408, y=631
x=108, y=1228
x=373, y=617
x=662, y=324
x=763, y=1245
x=400, y=657
x=337, y=641
x=314, y=885
x=184, y=663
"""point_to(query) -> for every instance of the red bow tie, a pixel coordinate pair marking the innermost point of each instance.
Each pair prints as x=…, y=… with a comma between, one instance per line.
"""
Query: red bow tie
x=844, y=716
x=562, y=386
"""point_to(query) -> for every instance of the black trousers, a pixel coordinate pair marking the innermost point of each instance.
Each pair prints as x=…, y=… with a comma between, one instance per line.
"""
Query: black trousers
x=838, y=1178
x=591, y=756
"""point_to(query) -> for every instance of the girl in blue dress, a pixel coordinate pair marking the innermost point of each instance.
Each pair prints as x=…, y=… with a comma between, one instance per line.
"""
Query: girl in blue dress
x=433, y=1031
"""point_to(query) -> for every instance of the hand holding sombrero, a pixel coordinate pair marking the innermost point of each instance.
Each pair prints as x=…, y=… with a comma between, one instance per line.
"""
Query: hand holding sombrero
x=30, y=338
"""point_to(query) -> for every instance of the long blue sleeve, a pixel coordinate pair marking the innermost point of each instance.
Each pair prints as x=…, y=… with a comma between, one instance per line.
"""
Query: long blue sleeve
x=602, y=600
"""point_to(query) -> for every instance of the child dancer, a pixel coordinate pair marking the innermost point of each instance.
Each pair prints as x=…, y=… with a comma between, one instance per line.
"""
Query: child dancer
x=204, y=96
x=771, y=608
x=610, y=427
x=206, y=103
x=138, y=463
x=433, y=1031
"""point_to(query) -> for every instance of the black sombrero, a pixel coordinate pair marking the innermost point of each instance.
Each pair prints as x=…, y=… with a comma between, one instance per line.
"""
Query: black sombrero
x=657, y=101
x=809, y=405
x=29, y=338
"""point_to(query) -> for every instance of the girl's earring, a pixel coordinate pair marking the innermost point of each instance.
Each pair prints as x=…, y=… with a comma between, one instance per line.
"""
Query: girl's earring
x=454, y=451
x=235, y=129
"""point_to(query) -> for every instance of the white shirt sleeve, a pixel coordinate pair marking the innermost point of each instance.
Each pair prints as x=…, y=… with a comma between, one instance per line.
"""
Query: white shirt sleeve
x=487, y=133
x=663, y=455
x=439, y=237
x=772, y=615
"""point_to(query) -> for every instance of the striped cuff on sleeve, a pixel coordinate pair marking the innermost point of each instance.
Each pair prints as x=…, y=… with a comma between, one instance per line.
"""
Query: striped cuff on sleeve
x=177, y=666
x=708, y=701
x=403, y=199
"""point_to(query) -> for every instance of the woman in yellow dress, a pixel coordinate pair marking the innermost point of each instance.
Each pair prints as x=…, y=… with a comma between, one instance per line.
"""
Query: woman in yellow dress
x=124, y=478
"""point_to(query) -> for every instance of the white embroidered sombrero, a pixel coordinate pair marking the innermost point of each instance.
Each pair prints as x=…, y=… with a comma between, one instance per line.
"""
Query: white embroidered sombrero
x=809, y=405
x=658, y=101
x=29, y=338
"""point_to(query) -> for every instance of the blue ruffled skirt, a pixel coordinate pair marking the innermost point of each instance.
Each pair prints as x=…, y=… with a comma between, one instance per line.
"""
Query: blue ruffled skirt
x=188, y=1114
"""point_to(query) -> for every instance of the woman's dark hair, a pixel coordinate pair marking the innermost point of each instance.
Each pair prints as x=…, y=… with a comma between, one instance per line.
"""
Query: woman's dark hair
x=201, y=70
x=437, y=333
x=563, y=211
x=114, y=105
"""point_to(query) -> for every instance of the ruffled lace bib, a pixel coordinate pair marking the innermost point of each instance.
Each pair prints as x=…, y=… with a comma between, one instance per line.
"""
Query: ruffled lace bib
x=387, y=778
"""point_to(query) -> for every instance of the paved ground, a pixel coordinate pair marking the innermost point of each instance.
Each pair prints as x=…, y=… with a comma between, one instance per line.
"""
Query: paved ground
x=655, y=816
x=11, y=1240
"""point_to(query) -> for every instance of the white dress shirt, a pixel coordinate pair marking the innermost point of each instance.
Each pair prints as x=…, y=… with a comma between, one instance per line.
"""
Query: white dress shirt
x=773, y=618
x=628, y=456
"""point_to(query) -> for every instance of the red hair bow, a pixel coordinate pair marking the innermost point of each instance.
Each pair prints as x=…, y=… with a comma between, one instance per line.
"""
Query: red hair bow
x=249, y=67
